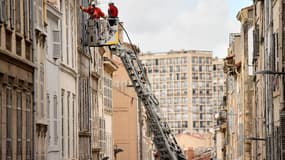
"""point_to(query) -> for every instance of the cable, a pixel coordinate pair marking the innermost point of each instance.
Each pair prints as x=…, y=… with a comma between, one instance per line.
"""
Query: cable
x=128, y=38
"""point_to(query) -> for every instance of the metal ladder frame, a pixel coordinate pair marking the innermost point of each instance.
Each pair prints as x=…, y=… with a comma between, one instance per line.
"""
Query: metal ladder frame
x=163, y=139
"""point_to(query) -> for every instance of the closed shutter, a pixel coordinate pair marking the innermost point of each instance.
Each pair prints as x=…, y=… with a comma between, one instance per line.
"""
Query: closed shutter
x=31, y=13
x=282, y=130
x=26, y=18
x=56, y=44
x=12, y=14
x=40, y=14
x=18, y=16
x=1, y=10
x=283, y=34
x=275, y=58
x=256, y=42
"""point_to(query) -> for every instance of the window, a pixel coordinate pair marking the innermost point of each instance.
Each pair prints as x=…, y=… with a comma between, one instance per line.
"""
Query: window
x=177, y=76
x=67, y=31
x=28, y=127
x=9, y=124
x=56, y=44
x=108, y=93
x=3, y=10
x=18, y=16
x=19, y=125
x=55, y=134
x=275, y=61
x=184, y=60
x=18, y=46
x=177, y=68
x=68, y=122
x=72, y=35
x=26, y=17
x=12, y=14
x=62, y=122
x=42, y=90
x=156, y=61
x=48, y=117
x=194, y=59
x=73, y=123
x=40, y=13
x=28, y=52
x=48, y=106
x=8, y=40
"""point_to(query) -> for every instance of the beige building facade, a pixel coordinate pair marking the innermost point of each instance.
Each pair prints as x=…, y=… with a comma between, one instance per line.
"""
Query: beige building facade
x=239, y=96
x=125, y=114
x=130, y=128
x=22, y=55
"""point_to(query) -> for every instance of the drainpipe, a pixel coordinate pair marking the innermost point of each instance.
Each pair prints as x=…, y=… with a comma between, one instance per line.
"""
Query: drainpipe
x=32, y=17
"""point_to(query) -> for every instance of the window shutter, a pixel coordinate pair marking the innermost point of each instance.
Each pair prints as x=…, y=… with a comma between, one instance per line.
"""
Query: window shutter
x=12, y=14
x=1, y=12
x=40, y=14
x=56, y=44
x=256, y=42
x=31, y=5
x=275, y=52
x=282, y=127
x=26, y=18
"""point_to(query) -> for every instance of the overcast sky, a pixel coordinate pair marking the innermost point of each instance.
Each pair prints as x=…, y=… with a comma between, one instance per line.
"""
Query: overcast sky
x=161, y=25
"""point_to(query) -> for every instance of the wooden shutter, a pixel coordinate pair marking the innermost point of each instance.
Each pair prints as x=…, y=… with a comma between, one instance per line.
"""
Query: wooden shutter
x=18, y=16
x=282, y=130
x=1, y=12
x=31, y=5
x=56, y=44
x=12, y=14
x=26, y=18
x=40, y=13
x=275, y=58
x=255, y=42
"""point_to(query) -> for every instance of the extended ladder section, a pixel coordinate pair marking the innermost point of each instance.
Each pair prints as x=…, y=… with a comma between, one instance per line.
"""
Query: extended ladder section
x=163, y=139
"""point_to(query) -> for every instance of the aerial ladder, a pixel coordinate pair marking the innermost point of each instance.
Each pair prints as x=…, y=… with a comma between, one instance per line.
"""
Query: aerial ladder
x=163, y=139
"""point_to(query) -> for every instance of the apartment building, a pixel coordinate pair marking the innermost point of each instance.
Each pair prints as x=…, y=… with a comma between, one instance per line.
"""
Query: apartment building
x=182, y=81
x=53, y=92
x=268, y=62
x=22, y=54
x=97, y=124
x=239, y=103
x=40, y=24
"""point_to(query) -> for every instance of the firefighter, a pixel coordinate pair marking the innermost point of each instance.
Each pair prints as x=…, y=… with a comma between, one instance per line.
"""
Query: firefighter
x=93, y=11
x=112, y=13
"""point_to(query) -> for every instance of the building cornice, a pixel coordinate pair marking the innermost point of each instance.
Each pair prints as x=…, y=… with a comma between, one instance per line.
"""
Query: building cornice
x=68, y=70
x=53, y=10
x=16, y=60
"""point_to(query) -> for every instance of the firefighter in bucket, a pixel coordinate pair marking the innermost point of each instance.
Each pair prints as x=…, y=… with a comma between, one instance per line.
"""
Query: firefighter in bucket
x=100, y=31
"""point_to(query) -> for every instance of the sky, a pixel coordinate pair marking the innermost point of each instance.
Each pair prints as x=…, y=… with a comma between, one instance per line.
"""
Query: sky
x=162, y=25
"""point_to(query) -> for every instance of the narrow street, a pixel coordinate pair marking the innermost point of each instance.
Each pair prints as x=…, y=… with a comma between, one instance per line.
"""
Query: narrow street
x=142, y=80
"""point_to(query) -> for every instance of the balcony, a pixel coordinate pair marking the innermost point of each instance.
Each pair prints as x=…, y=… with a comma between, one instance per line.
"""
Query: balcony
x=110, y=65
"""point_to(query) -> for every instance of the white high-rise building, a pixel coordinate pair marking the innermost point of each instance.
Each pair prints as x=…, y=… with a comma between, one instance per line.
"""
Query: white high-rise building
x=182, y=81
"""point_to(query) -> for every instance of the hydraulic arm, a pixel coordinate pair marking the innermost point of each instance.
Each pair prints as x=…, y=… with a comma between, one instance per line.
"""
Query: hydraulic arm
x=163, y=139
